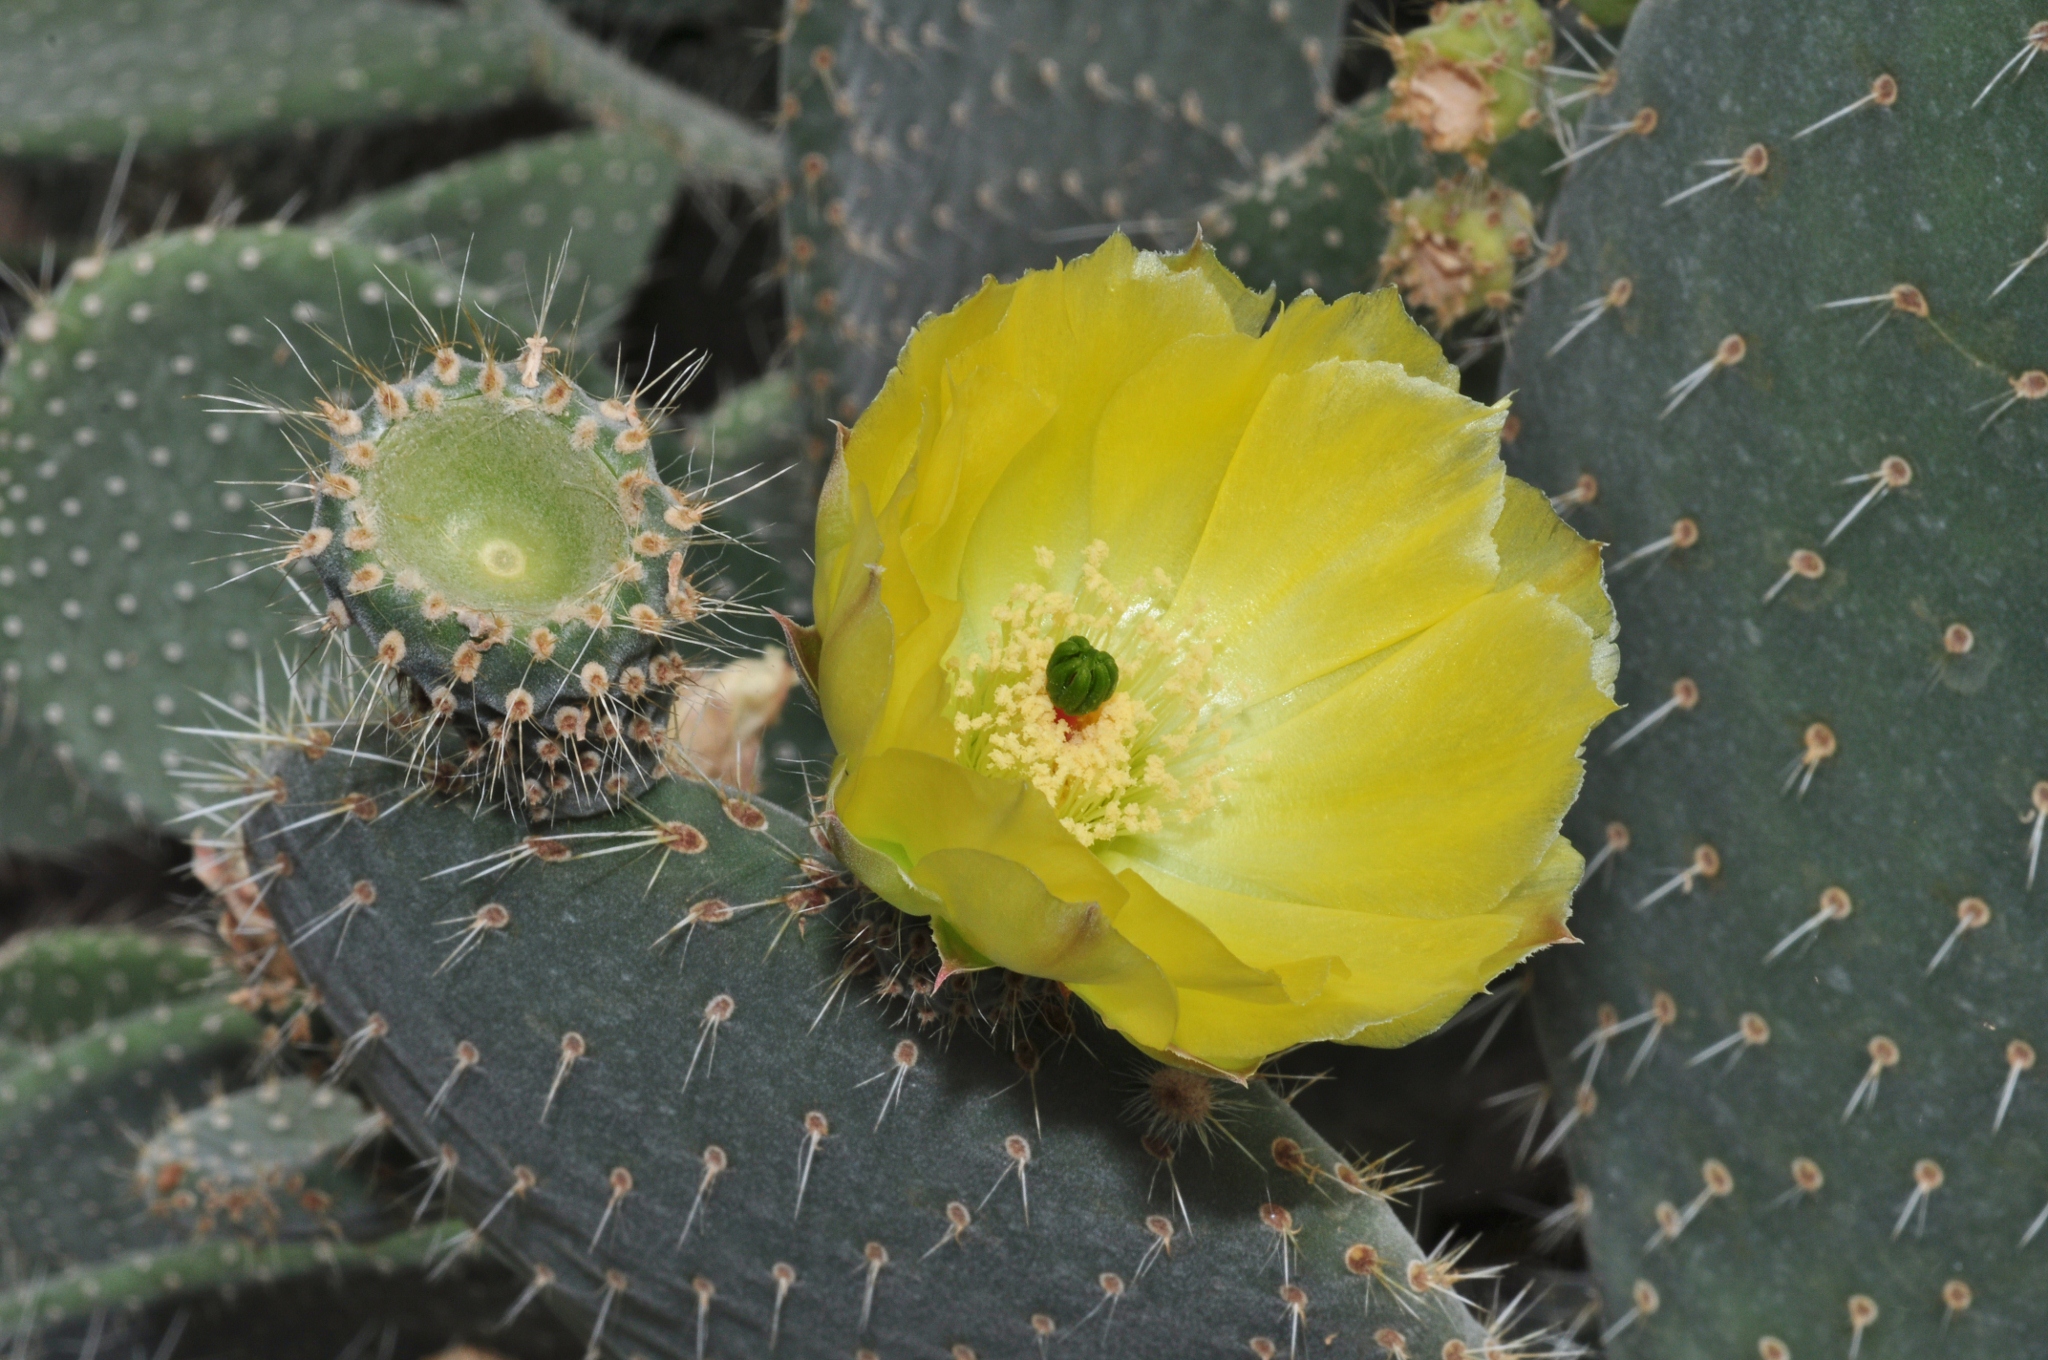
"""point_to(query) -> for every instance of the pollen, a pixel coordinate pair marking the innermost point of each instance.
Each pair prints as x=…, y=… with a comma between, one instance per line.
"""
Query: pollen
x=1151, y=750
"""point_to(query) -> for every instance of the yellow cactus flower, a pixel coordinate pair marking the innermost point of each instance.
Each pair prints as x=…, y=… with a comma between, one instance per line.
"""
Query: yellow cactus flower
x=1335, y=667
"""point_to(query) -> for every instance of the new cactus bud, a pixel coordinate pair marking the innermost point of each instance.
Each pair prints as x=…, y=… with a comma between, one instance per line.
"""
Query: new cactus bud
x=502, y=540
x=1454, y=248
x=1470, y=77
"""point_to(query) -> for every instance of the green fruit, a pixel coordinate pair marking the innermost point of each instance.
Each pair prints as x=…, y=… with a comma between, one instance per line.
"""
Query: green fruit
x=502, y=541
x=1455, y=248
x=1471, y=77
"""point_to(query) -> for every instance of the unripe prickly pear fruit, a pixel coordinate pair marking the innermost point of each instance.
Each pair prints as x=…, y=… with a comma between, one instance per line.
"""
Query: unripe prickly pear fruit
x=1470, y=77
x=1454, y=247
x=504, y=542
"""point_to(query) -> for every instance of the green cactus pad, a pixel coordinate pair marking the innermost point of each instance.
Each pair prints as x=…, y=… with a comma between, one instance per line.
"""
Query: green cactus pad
x=583, y=209
x=949, y=142
x=66, y=1113
x=758, y=426
x=166, y=1274
x=85, y=76
x=749, y=448
x=735, y=1130
x=54, y=983
x=653, y=13
x=611, y=91
x=1821, y=808
x=265, y=1163
x=132, y=538
x=230, y=1191
x=46, y=805
x=501, y=539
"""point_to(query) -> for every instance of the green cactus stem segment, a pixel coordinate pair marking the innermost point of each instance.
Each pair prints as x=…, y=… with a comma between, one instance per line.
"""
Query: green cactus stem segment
x=1080, y=677
x=493, y=508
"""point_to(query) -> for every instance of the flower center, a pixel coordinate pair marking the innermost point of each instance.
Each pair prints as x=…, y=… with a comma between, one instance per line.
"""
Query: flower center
x=1096, y=700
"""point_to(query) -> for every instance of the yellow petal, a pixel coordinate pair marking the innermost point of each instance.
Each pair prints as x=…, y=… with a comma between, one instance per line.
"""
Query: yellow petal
x=1359, y=326
x=1427, y=785
x=1358, y=510
x=1382, y=968
x=1248, y=309
x=1541, y=902
x=1076, y=333
x=1168, y=435
x=1413, y=645
x=834, y=534
x=1191, y=955
x=1018, y=889
x=1004, y=913
x=1541, y=549
x=905, y=415
x=857, y=649
x=1161, y=449
x=963, y=465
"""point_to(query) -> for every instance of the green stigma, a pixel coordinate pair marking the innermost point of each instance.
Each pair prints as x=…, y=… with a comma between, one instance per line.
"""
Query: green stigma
x=1080, y=677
